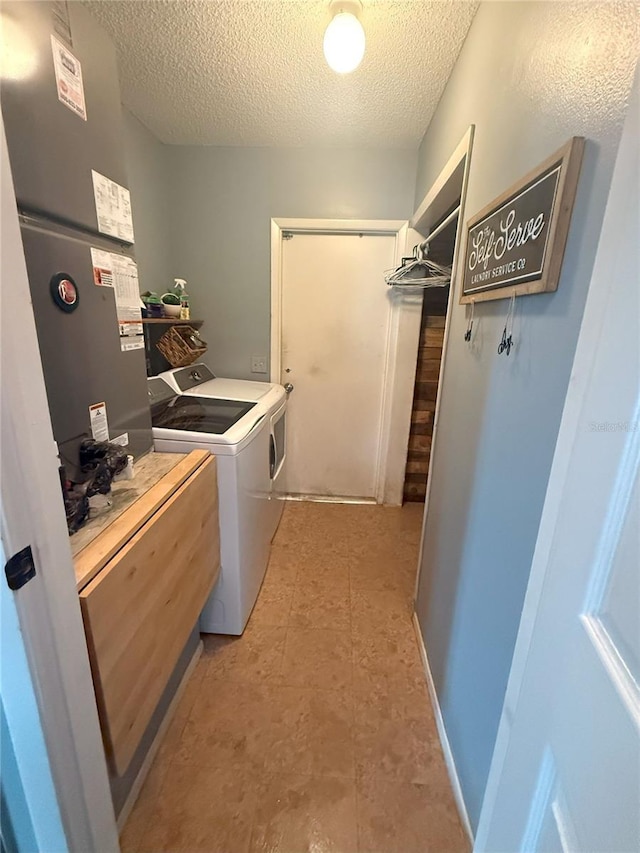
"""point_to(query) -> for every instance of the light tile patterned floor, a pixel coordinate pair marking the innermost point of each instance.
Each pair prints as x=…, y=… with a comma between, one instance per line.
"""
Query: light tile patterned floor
x=312, y=732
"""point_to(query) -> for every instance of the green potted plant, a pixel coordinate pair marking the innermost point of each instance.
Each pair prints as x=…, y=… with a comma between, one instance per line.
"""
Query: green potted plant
x=171, y=305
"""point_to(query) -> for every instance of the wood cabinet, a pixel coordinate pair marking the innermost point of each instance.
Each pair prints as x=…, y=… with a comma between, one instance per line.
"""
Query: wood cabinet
x=151, y=570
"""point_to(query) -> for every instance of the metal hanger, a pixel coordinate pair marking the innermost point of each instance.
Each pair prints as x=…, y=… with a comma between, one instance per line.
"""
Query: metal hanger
x=419, y=271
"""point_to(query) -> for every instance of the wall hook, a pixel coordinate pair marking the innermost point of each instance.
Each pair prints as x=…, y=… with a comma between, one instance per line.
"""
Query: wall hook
x=467, y=334
x=506, y=342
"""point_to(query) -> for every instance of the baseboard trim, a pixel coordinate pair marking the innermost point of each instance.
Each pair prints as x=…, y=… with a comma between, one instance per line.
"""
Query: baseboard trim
x=130, y=802
x=330, y=499
x=442, y=733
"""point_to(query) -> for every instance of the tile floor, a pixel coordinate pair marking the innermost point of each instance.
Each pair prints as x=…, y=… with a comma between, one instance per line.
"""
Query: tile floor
x=313, y=732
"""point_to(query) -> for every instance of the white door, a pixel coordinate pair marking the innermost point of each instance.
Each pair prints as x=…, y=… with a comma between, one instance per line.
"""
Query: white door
x=335, y=328
x=30, y=817
x=565, y=775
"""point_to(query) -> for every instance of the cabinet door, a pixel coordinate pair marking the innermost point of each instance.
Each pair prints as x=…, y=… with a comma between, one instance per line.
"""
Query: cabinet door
x=139, y=611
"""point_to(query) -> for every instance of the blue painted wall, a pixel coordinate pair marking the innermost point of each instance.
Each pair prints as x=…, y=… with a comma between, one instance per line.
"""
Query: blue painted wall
x=147, y=164
x=222, y=200
x=530, y=75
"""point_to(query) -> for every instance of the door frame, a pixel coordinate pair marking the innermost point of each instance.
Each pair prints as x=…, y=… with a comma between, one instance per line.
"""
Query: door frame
x=437, y=202
x=400, y=365
x=430, y=211
x=33, y=514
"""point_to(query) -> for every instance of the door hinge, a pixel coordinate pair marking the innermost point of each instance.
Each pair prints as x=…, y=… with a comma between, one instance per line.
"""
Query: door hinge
x=287, y=235
x=20, y=568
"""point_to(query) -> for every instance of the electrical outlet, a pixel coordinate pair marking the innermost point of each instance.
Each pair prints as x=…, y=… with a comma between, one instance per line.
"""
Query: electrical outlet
x=258, y=364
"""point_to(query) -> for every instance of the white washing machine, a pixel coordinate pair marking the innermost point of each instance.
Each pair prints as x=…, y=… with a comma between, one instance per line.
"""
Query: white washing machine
x=245, y=439
x=198, y=380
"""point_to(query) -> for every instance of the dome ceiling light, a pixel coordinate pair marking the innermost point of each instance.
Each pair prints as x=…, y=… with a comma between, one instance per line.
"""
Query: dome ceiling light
x=344, y=39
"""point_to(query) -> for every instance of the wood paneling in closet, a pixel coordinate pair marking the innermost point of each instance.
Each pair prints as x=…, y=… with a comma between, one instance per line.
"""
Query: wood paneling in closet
x=434, y=310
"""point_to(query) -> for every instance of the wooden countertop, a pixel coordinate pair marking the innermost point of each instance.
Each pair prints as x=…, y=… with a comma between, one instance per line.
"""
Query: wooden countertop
x=157, y=476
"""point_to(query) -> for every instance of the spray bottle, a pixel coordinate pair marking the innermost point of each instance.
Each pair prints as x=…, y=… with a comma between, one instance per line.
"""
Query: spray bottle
x=180, y=289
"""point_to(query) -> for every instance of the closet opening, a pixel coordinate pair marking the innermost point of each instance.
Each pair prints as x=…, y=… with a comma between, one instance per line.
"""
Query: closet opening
x=441, y=249
x=437, y=230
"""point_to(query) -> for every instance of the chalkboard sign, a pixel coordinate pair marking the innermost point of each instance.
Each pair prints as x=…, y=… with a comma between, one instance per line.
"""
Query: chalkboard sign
x=516, y=244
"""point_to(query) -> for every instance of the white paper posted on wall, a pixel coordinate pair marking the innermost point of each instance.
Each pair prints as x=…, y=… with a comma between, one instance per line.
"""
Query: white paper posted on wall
x=68, y=78
x=121, y=273
x=113, y=207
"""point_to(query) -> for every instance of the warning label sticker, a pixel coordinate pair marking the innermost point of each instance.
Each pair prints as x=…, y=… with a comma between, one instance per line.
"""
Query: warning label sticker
x=68, y=78
x=121, y=273
x=99, y=424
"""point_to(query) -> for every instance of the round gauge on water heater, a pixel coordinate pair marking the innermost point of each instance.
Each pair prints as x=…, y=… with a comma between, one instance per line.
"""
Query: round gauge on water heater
x=64, y=292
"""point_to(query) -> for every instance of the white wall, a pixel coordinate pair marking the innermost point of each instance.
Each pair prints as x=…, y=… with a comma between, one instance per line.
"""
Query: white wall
x=530, y=75
x=222, y=200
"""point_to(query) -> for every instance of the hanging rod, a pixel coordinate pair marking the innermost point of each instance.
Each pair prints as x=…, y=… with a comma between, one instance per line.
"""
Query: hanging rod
x=440, y=227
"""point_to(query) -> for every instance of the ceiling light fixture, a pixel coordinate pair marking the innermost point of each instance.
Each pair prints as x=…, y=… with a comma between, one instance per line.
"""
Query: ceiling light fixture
x=344, y=38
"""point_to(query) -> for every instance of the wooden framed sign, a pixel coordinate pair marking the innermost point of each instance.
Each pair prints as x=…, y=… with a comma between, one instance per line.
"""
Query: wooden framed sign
x=515, y=245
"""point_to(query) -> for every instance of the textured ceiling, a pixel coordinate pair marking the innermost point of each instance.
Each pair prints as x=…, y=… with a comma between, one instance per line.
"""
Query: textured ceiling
x=252, y=72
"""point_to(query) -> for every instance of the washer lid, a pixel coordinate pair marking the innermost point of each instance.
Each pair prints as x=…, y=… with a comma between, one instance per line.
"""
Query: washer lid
x=198, y=414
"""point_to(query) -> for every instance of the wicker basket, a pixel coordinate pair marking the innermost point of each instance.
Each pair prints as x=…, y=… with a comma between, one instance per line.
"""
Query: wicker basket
x=181, y=345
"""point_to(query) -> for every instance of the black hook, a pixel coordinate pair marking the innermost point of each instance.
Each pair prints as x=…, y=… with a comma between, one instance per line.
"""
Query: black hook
x=506, y=343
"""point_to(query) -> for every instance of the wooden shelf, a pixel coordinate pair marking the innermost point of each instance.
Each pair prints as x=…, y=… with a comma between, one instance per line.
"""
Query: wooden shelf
x=170, y=322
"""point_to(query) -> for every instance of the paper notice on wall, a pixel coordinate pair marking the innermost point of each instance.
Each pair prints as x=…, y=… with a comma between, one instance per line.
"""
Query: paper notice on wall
x=113, y=207
x=99, y=425
x=68, y=78
x=121, y=274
